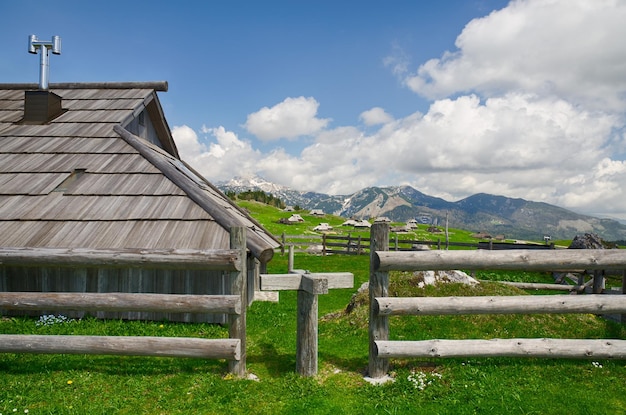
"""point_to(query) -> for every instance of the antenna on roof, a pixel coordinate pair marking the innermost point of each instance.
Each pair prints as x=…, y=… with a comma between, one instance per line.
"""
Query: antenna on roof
x=55, y=46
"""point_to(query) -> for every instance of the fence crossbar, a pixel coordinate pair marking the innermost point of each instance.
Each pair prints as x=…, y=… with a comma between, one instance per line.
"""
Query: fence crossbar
x=529, y=260
x=122, y=345
x=172, y=303
x=518, y=304
x=544, y=348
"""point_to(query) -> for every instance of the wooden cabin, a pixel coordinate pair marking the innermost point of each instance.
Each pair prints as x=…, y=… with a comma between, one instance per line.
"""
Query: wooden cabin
x=94, y=165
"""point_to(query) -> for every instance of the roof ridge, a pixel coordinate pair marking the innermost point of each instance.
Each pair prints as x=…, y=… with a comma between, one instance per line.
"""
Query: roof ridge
x=156, y=85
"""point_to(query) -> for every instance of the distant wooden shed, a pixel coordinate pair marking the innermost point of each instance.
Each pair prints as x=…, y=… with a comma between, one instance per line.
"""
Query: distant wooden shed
x=94, y=165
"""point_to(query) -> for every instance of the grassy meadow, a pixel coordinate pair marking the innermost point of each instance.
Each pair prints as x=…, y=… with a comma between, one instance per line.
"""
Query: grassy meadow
x=89, y=384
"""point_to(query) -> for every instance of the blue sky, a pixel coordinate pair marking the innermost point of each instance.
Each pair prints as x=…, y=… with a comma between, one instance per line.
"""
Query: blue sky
x=524, y=98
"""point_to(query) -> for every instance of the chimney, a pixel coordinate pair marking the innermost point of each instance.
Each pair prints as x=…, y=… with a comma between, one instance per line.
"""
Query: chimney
x=42, y=105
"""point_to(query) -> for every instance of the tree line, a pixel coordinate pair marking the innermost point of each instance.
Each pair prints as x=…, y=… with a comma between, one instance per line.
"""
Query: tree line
x=257, y=195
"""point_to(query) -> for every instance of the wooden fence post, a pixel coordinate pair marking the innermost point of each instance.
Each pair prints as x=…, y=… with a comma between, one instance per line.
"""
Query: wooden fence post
x=348, y=245
x=282, y=245
x=290, y=261
x=598, y=281
x=378, y=287
x=306, y=341
x=238, y=286
x=623, y=319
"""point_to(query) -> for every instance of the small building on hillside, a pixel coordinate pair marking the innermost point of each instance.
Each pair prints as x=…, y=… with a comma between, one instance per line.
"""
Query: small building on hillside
x=295, y=218
x=95, y=166
x=316, y=212
x=322, y=227
x=357, y=223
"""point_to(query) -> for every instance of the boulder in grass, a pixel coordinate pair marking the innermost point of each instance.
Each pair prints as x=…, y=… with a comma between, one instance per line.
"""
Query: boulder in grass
x=439, y=277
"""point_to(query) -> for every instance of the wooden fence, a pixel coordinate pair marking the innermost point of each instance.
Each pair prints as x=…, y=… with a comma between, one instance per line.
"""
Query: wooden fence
x=358, y=244
x=232, y=261
x=382, y=261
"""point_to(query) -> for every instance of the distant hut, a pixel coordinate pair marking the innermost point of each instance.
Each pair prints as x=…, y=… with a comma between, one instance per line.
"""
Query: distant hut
x=322, y=227
x=295, y=218
x=94, y=166
x=362, y=224
x=316, y=212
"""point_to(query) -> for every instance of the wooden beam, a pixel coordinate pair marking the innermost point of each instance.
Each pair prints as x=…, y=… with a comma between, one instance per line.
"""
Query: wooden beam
x=259, y=247
x=540, y=286
x=524, y=304
x=294, y=282
x=547, y=348
x=217, y=259
x=122, y=345
x=522, y=259
x=167, y=303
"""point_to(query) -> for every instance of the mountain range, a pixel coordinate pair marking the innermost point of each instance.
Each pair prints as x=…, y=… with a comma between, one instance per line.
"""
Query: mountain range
x=497, y=215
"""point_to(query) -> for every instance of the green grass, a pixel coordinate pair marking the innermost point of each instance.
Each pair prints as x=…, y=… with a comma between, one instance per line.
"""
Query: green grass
x=88, y=384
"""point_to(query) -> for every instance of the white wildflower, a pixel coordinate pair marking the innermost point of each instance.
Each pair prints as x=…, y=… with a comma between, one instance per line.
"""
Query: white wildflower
x=51, y=319
x=421, y=380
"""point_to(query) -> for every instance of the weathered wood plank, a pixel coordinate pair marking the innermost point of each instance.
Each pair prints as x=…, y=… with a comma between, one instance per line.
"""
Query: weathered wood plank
x=292, y=282
x=532, y=260
x=217, y=259
x=540, y=286
x=524, y=304
x=123, y=345
x=172, y=303
x=547, y=348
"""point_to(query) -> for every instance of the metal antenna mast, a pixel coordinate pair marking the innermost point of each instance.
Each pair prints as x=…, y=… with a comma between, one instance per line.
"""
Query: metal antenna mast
x=54, y=46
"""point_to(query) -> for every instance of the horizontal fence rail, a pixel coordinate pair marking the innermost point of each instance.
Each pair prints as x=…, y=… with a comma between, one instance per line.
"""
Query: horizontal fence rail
x=217, y=259
x=545, y=348
x=531, y=260
x=122, y=345
x=173, y=303
x=517, y=304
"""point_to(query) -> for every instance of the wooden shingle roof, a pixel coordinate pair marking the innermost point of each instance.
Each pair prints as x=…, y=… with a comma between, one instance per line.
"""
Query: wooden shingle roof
x=86, y=179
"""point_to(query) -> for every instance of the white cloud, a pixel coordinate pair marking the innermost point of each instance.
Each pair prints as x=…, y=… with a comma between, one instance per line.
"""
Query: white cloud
x=222, y=159
x=187, y=141
x=569, y=48
x=375, y=116
x=289, y=119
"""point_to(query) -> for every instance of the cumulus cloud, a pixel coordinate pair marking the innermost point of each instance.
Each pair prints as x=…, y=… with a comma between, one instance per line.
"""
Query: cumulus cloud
x=375, y=116
x=289, y=119
x=567, y=48
x=220, y=156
